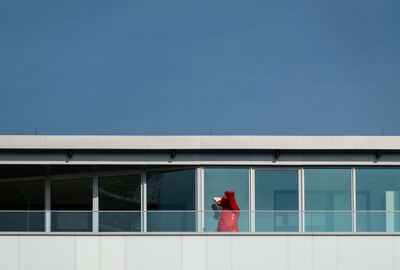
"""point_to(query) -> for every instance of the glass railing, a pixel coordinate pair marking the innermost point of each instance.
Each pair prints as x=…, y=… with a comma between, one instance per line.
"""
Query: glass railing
x=171, y=221
x=200, y=221
x=22, y=221
x=378, y=221
x=277, y=221
x=71, y=221
x=120, y=221
x=328, y=221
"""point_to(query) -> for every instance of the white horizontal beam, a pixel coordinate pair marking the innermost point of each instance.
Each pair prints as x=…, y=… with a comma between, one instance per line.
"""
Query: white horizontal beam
x=201, y=142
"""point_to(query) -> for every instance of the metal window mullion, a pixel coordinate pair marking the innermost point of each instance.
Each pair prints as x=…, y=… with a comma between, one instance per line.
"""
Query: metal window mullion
x=47, y=204
x=353, y=200
x=252, y=200
x=199, y=199
x=95, y=204
x=143, y=205
x=301, y=201
x=202, y=198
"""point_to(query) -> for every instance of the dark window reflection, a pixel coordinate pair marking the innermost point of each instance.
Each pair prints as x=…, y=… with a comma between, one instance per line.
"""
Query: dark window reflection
x=23, y=195
x=119, y=192
x=71, y=205
x=119, y=201
x=171, y=192
x=25, y=199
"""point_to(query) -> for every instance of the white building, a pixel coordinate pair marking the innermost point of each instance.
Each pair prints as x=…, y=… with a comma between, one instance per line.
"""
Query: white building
x=145, y=202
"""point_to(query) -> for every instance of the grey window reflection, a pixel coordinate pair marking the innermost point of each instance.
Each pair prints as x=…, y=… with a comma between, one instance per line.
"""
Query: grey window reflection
x=328, y=196
x=277, y=200
x=119, y=203
x=378, y=200
x=171, y=200
x=71, y=205
x=26, y=198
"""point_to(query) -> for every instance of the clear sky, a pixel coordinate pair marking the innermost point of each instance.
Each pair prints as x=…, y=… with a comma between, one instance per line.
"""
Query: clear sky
x=187, y=67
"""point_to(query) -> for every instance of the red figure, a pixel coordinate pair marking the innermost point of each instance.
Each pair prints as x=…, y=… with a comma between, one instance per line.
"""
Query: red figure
x=228, y=221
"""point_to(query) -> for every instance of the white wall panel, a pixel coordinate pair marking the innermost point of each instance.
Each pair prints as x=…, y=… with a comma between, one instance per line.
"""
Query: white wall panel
x=375, y=252
x=9, y=252
x=325, y=253
x=259, y=253
x=199, y=252
x=87, y=252
x=219, y=252
x=153, y=252
x=47, y=253
x=112, y=253
x=194, y=256
x=300, y=253
x=396, y=252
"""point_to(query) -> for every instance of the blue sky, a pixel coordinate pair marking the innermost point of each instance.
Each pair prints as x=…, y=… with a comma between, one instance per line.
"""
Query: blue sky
x=185, y=67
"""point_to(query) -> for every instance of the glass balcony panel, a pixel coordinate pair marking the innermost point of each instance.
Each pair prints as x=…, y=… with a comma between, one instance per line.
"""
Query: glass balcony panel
x=171, y=221
x=328, y=221
x=22, y=221
x=120, y=221
x=276, y=221
x=378, y=221
x=71, y=221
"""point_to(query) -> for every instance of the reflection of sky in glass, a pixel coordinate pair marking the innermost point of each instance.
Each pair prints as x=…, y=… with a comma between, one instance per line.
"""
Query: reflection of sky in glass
x=216, y=182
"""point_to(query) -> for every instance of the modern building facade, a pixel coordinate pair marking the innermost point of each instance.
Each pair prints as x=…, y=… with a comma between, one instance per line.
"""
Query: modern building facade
x=146, y=202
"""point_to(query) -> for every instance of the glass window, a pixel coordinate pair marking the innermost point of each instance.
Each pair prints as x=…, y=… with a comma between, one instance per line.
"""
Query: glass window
x=216, y=182
x=328, y=196
x=71, y=205
x=22, y=206
x=119, y=203
x=277, y=200
x=378, y=192
x=171, y=200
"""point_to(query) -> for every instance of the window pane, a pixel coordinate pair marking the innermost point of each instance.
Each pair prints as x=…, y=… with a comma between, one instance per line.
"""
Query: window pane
x=168, y=191
x=119, y=203
x=328, y=193
x=216, y=182
x=378, y=191
x=67, y=195
x=23, y=195
x=277, y=193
